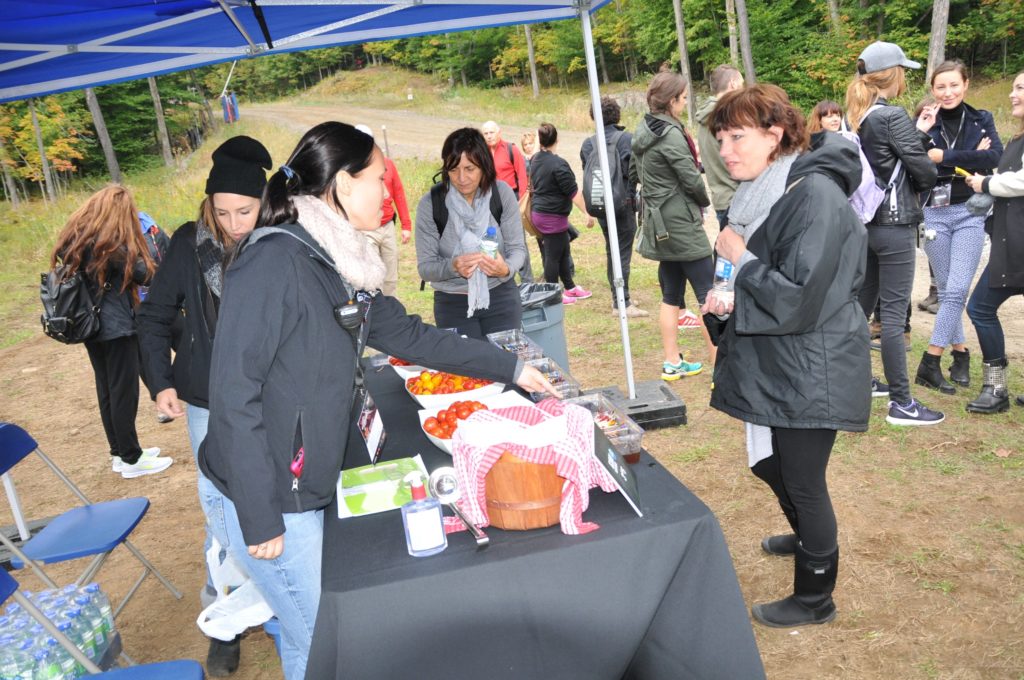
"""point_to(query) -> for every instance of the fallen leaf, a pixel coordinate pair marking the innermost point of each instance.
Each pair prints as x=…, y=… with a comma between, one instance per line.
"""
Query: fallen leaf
x=1003, y=453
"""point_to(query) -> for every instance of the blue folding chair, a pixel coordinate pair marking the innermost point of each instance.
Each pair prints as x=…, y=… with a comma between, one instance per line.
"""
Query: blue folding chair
x=93, y=529
x=167, y=670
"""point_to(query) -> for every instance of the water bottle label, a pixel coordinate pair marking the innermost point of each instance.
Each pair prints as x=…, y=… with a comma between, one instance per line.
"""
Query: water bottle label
x=723, y=269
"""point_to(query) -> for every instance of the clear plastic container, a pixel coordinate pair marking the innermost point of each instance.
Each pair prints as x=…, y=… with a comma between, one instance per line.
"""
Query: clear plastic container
x=565, y=384
x=624, y=434
x=517, y=342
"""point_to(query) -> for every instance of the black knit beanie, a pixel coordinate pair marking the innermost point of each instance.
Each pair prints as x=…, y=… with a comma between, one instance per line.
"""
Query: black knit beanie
x=239, y=166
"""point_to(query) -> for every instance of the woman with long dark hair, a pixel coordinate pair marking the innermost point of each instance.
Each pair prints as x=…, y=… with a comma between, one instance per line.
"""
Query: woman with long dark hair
x=473, y=291
x=300, y=303
x=103, y=240
x=187, y=290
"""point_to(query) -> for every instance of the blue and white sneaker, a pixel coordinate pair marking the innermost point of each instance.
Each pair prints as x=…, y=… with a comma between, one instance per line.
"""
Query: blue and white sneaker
x=914, y=414
x=878, y=388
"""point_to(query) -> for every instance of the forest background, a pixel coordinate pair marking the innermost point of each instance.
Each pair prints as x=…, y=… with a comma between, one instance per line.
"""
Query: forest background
x=808, y=47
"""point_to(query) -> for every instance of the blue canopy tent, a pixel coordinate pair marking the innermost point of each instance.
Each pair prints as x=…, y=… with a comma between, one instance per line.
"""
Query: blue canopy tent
x=49, y=46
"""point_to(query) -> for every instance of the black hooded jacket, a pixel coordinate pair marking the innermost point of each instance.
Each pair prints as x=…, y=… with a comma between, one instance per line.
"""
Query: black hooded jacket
x=283, y=372
x=794, y=353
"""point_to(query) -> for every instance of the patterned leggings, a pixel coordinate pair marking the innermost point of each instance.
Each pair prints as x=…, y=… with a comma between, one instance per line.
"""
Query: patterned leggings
x=954, y=256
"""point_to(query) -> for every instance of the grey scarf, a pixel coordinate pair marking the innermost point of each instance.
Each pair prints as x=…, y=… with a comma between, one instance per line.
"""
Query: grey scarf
x=470, y=223
x=210, y=252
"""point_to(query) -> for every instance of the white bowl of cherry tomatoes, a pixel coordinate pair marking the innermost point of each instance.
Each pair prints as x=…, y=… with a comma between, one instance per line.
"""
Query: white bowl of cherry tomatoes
x=437, y=389
x=405, y=369
x=440, y=424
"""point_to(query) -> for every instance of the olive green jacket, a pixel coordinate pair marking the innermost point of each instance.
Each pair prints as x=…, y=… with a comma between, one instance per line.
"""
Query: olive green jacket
x=673, y=193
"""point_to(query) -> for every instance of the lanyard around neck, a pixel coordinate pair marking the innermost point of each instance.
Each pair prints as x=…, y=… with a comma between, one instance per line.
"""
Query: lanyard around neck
x=959, y=129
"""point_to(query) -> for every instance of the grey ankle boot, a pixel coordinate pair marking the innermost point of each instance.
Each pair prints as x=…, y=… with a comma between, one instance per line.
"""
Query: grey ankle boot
x=994, y=397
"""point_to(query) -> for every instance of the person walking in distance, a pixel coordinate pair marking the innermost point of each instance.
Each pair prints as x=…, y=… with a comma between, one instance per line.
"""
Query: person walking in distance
x=510, y=168
x=896, y=152
x=619, y=143
x=384, y=237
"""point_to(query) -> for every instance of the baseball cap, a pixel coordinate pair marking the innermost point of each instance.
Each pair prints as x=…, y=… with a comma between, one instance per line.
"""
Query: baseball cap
x=879, y=56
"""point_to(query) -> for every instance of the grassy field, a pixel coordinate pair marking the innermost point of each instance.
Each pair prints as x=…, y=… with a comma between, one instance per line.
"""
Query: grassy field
x=931, y=520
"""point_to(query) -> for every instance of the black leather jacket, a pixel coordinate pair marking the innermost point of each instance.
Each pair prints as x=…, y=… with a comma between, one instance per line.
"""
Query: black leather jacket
x=888, y=135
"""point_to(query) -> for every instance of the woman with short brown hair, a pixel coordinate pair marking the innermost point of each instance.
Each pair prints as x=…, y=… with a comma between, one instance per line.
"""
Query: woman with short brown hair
x=793, y=360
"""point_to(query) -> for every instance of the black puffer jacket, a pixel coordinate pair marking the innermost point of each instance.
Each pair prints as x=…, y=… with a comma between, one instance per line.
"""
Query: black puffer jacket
x=283, y=372
x=794, y=353
x=178, y=293
x=888, y=135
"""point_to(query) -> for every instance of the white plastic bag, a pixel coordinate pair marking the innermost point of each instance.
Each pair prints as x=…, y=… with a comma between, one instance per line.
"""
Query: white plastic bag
x=239, y=604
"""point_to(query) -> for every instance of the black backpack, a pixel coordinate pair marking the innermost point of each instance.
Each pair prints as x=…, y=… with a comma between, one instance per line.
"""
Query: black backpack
x=70, y=312
x=593, y=185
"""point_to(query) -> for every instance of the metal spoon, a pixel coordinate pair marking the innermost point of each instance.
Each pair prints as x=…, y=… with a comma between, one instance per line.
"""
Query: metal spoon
x=444, y=486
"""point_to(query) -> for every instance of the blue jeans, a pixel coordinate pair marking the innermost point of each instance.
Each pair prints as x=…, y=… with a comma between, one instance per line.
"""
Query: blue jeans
x=290, y=584
x=983, y=308
x=198, y=419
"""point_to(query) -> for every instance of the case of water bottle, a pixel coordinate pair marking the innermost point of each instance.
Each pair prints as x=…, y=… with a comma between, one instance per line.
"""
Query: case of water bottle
x=83, y=615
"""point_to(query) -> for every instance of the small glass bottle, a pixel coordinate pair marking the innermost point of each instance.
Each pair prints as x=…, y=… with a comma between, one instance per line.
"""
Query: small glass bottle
x=423, y=520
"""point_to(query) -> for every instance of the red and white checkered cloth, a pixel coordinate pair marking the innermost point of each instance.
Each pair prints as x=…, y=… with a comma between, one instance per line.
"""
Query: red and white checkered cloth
x=551, y=432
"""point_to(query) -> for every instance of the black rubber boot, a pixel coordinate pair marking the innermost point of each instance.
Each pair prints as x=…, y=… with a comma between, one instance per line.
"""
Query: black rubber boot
x=814, y=579
x=994, y=397
x=960, y=370
x=222, y=659
x=929, y=374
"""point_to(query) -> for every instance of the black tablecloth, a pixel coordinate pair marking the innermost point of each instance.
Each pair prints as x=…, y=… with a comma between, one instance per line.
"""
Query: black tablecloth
x=653, y=597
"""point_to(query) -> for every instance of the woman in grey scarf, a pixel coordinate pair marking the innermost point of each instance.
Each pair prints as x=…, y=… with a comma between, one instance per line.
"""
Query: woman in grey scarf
x=793, y=360
x=473, y=291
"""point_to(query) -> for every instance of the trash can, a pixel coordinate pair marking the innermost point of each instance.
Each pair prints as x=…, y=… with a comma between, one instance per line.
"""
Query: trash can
x=543, y=319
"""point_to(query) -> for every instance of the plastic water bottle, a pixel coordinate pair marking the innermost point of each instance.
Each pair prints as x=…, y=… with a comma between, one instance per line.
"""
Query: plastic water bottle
x=103, y=604
x=82, y=632
x=62, y=657
x=723, y=274
x=92, y=616
x=46, y=667
x=17, y=660
x=489, y=243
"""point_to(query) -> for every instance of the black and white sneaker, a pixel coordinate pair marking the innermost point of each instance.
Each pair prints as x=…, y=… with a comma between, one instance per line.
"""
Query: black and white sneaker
x=879, y=388
x=915, y=413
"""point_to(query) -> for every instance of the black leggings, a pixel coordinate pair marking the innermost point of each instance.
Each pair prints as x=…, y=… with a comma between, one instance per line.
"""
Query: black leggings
x=796, y=473
x=558, y=259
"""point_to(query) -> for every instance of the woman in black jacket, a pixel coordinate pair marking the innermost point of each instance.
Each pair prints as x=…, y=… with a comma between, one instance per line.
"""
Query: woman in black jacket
x=187, y=290
x=554, y=192
x=961, y=137
x=793, y=360
x=1003, y=276
x=896, y=153
x=284, y=368
x=103, y=239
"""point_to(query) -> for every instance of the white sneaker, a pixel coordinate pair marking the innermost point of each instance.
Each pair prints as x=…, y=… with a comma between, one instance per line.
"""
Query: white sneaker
x=118, y=465
x=146, y=465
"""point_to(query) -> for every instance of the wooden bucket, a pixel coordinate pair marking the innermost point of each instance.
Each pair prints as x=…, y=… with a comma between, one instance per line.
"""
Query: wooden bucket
x=522, y=495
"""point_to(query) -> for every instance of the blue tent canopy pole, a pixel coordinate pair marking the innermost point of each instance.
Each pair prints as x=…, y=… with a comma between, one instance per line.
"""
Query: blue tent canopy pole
x=606, y=178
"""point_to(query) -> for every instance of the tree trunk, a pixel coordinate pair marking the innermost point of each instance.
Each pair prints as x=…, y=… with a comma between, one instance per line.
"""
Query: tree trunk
x=744, y=27
x=47, y=175
x=833, y=13
x=864, y=5
x=101, y=131
x=12, y=191
x=684, y=58
x=937, y=43
x=533, y=61
x=734, y=46
x=880, y=27
x=161, y=124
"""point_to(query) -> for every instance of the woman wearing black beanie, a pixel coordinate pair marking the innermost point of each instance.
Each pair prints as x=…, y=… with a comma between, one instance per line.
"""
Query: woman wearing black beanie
x=181, y=309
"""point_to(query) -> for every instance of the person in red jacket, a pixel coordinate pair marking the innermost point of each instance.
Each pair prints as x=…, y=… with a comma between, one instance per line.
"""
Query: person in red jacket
x=384, y=238
x=509, y=164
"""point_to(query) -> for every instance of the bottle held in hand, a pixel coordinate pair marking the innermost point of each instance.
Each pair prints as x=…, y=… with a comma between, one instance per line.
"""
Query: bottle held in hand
x=489, y=243
x=723, y=274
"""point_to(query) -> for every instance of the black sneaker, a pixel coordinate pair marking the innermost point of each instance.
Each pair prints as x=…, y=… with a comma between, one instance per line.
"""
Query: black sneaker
x=915, y=413
x=879, y=388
